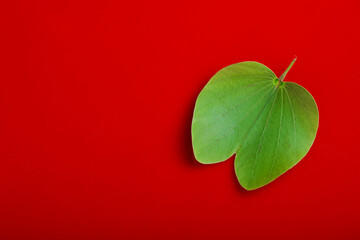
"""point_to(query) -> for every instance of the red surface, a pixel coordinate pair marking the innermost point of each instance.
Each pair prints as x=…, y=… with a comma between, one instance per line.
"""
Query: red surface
x=96, y=102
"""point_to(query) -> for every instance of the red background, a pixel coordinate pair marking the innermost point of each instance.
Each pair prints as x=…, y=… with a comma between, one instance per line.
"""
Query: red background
x=96, y=101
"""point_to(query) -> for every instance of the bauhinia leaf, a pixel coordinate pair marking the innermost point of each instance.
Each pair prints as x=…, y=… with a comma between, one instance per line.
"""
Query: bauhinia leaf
x=246, y=110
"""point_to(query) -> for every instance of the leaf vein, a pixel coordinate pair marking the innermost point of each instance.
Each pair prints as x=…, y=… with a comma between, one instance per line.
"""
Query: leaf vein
x=294, y=119
x=236, y=124
x=278, y=140
x=258, y=116
x=262, y=137
x=303, y=105
x=236, y=105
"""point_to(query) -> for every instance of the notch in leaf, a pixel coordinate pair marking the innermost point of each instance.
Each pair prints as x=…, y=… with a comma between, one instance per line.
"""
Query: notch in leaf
x=245, y=109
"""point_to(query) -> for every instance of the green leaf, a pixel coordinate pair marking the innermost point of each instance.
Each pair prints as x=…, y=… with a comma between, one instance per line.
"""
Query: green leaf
x=246, y=110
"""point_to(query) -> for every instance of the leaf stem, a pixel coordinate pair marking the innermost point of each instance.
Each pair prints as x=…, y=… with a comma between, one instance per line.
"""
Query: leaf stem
x=281, y=78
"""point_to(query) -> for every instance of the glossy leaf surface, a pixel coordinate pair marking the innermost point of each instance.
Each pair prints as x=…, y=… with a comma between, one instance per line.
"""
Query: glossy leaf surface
x=245, y=109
